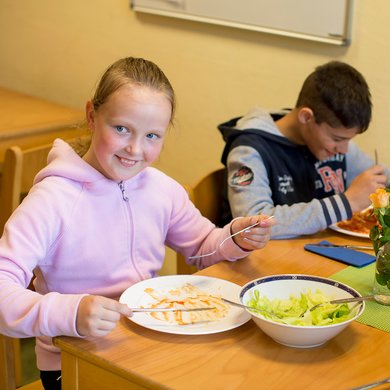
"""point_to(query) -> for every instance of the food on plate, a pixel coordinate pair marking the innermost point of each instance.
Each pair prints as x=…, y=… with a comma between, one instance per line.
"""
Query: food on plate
x=361, y=222
x=187, y=296
x=296, y=310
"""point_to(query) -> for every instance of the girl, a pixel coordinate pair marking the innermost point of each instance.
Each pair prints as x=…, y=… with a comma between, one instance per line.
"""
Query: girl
x=91, y=227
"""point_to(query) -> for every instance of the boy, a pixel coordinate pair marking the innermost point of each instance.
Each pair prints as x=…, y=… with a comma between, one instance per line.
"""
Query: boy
x=300, y=165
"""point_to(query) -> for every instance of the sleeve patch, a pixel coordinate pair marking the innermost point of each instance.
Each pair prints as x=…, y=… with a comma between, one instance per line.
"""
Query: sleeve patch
x=242, y=177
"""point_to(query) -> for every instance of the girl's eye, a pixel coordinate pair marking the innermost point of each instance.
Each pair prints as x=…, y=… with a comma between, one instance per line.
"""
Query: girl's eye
x=121, y=129
x=152, y=136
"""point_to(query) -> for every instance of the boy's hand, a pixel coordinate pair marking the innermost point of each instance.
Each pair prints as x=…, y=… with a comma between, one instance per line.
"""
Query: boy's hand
x=98, y=316
x=255, y=237
x=363, y=185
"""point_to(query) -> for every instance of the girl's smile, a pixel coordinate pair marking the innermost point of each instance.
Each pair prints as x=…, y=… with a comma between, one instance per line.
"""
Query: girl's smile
x=126, y=162
x=128, y=131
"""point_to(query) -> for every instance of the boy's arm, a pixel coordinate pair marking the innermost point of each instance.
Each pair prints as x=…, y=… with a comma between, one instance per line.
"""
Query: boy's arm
x=256, y=197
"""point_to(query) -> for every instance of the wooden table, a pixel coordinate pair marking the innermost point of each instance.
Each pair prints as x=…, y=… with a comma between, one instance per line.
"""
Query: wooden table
x=132, y=357
x=29, y=121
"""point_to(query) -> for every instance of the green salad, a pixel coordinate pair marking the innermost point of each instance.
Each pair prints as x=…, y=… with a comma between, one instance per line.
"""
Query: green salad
x=296, y=310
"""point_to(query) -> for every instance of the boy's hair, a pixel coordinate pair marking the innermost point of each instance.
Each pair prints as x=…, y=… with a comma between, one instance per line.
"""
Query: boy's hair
x=338, y=95
x=133, y=71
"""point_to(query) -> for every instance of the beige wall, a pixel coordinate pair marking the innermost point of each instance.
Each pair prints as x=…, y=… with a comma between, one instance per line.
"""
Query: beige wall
x=57, y=50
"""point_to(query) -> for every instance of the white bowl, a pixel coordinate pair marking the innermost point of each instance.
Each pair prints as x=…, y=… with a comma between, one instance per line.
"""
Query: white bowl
x=281, y=287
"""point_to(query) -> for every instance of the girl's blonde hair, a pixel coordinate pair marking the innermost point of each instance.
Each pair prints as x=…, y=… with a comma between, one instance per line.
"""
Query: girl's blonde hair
x=133, y=71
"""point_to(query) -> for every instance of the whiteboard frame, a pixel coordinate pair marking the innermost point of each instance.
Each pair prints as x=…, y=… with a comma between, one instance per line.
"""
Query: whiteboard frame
x=339, y=40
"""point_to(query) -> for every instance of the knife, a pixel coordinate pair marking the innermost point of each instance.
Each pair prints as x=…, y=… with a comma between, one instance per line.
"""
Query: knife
x=162, y=309
x=365, y=247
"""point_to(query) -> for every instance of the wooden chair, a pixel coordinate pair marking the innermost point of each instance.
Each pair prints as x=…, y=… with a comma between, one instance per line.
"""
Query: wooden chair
x=207, y=197
x=18, y=172
x=10, y=371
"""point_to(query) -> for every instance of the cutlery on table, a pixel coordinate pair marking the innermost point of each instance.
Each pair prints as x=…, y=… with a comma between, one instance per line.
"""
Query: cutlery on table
x=365, y=247
x=373, y=384
x=161, y=309
x=382, y=299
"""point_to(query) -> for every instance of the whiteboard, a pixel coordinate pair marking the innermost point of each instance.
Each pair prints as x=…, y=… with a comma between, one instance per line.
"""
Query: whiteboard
x=327, y=21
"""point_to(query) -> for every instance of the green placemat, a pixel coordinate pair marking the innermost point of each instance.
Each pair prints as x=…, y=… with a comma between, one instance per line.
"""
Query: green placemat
x=362, y=279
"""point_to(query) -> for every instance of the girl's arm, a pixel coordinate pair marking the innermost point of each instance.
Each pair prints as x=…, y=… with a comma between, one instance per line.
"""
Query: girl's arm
x=28, y=236
x=193, y=235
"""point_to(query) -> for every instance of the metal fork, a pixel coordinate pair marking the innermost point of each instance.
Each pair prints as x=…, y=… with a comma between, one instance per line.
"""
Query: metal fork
x=373, y=384
x=248, y=307
x=227, y=238
x=382, y=299
x=165, y=309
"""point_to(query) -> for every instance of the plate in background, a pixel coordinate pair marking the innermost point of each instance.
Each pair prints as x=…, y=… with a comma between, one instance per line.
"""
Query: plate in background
x=348, y=232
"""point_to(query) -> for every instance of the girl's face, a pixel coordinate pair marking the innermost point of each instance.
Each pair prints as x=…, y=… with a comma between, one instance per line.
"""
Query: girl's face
x=128, y=131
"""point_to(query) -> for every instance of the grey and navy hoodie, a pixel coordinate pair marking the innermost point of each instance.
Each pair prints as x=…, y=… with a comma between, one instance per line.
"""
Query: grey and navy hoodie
x=267, y=173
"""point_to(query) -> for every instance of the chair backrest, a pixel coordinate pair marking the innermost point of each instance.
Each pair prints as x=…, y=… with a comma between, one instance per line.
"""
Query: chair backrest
x=19, y=169
x=207, y=197
x=10, y=367
x=9, y=376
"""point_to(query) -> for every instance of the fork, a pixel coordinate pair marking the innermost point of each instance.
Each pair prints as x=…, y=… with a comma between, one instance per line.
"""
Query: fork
x=227, y=238
x=248, y=307
x=382, y=299
x=373, y=384
x=164, y=309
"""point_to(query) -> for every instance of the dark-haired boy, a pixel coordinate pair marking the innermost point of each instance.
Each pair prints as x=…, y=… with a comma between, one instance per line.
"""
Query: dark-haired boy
x=299, y=165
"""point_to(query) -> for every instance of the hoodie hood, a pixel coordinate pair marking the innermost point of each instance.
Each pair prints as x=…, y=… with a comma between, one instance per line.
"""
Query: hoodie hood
x=63, y=161
x=257, y=122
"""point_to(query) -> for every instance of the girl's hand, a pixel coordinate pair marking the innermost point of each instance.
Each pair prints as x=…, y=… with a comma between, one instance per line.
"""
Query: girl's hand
x=98, y=316
x=255, y=237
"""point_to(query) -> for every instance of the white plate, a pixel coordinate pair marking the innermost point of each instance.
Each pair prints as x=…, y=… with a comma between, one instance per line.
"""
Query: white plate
x=135, y=296
x=348, y=232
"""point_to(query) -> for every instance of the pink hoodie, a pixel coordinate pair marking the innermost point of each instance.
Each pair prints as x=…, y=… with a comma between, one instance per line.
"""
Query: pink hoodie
x=81, y=236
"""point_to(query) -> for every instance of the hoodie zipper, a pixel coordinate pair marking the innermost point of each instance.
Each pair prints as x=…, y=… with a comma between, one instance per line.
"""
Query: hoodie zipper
x=122, y=188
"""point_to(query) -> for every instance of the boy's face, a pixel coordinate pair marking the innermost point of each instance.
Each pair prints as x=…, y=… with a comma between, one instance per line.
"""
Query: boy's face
x=325, y=141
x=128, y=131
